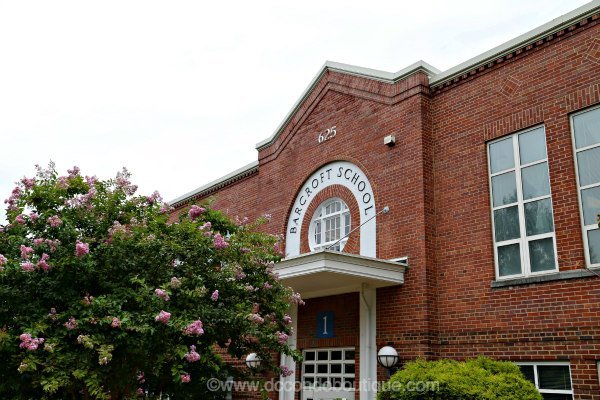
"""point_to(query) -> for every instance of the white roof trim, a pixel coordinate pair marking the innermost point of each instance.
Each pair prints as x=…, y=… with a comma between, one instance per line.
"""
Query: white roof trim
x=437, y=77
x=222, y=180
x=369, y=73
x=530, y=37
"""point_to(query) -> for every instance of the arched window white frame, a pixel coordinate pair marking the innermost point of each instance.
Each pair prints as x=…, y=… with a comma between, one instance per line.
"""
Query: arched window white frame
x=330, y=223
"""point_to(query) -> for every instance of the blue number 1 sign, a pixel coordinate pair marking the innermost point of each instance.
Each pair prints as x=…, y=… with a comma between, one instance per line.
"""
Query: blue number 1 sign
x=325, y=324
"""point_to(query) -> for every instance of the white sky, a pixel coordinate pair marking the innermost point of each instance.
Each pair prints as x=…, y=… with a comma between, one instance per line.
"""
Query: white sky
x=180, y=92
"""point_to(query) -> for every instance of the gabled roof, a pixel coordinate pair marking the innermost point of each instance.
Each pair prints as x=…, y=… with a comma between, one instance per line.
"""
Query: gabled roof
x=436, y=79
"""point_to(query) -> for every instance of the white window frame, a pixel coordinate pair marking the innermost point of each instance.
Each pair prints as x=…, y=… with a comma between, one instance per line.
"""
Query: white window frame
x=584, y=228
x=535, y=364
x=311, y=229
x=523, y=240
x=343, y=375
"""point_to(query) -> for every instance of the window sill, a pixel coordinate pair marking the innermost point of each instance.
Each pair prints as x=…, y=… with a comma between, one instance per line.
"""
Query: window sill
x=557, y=276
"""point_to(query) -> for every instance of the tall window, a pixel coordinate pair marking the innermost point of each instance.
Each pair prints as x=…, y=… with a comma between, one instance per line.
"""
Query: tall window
x=553, y=380
x=586, y=132
x=330, y=223
x=524, y=240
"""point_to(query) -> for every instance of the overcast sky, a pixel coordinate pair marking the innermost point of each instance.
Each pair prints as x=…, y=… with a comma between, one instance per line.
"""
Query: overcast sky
x=180, y=92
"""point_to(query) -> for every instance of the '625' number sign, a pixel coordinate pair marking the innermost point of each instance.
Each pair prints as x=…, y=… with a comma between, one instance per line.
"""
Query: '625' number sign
x=328, y=134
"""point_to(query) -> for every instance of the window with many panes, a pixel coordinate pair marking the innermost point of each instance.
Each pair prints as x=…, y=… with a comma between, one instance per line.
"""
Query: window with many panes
x=553, y=380
x=586, y=135
x=330, y=226
x=523, y=223
x=329, y=368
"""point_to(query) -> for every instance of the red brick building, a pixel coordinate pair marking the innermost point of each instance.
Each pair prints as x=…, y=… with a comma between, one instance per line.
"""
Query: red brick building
x=490, y=173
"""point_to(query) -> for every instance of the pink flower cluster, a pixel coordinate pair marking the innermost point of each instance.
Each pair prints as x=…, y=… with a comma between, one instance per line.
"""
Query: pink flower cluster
x=185, y=378
x=287, y=319
x=297, y=299
x=73, y=172
x=154, y=197
x=54, y=221
x=192, y=355
x=28, y=182
x=285, y=371
x=162, y=294
x=30, y=343
x=27, y=266
x=163, y=317
x=33, y=216
x=175, y=282
x=215, y=295
x=43, y=264
x=282, y=338
x=219, y=242
x=3, y=261
x=256, y=318
x=123, y=183
x=195, y=212
x=52, y=244
x=20, y=220
x=71, y=324
x=195, y=328
x=267, y=285
x=206, y=226
x=26, y=252
x=116, y=323
x=81, y=249
x=14, y=197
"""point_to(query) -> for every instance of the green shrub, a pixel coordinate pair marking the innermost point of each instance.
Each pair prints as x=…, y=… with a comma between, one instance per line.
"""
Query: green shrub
x=475, y=379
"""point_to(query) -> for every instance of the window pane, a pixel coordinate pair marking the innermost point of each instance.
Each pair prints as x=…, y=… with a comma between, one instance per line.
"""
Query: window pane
x=322, y=355
x=349, y=355
x=506, y=223
x=509, y=260
x=535, y=181
x=501, y=155
x=504, y=189
x=532, y=146
x=538, y=217
x=348, y=368
x=541, y=255
x=594, y=245
x=587, y=163
x=336, y=368
x=322, y=368
x=309, y=356
x=309, y=368
x=587, y=128
x=527, y=371
x=336, y=355
x=591, y=205
x=554, y=377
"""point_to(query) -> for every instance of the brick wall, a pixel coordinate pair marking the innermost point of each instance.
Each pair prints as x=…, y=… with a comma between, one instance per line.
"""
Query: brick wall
x=435, y=181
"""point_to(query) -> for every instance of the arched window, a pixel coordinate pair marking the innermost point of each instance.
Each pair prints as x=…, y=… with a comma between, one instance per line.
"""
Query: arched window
x=329, y=224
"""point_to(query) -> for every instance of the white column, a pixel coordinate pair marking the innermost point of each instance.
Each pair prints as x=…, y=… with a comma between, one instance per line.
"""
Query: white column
x=368, y=351
x=289, y=382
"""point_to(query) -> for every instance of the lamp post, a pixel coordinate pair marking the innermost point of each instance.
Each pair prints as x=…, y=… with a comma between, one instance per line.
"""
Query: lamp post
x=253, y=361
x=387, y=357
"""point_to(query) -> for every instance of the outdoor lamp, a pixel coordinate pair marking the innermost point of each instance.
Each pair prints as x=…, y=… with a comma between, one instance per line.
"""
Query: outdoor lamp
x=253, y=361
x=387, y=357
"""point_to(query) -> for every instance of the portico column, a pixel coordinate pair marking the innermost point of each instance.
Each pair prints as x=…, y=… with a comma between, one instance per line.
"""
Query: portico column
x=368, y=351
x=289, y=382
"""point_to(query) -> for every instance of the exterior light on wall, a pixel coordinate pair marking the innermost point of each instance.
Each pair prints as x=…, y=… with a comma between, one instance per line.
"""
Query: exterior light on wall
x=253, y=361
x=389, y=140
x=387, y=357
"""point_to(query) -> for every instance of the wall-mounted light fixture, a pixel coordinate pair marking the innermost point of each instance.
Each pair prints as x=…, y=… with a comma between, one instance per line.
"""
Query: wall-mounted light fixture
x=253, y=361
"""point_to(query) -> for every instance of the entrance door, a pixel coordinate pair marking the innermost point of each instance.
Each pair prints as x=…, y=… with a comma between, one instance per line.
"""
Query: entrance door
x=328, y=374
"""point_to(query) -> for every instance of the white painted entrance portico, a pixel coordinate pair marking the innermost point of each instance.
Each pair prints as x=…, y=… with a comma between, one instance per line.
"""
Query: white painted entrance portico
x=326, y=273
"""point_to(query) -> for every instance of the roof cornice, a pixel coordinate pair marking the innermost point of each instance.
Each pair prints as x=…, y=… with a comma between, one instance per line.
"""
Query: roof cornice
x=524, y=40
x=228, y=179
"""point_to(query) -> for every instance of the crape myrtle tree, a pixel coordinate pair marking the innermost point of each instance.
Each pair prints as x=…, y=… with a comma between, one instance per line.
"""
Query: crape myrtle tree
x=102, y=298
